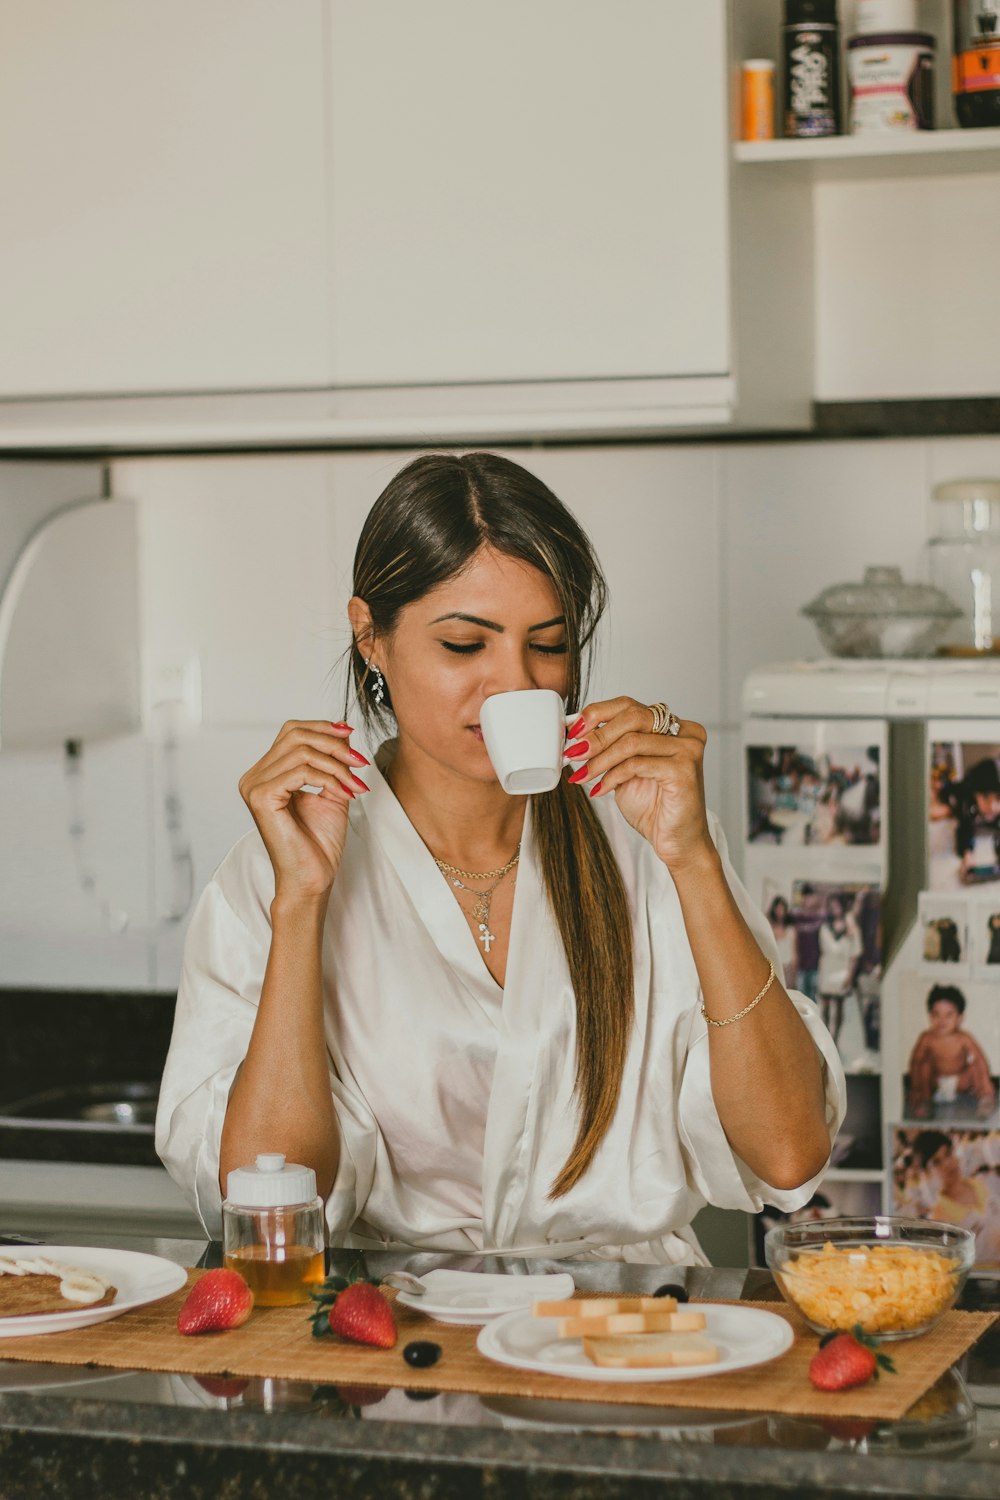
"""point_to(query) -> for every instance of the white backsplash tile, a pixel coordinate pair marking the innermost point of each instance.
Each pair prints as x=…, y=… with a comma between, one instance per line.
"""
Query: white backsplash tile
x=710, y=551
x=800, y=516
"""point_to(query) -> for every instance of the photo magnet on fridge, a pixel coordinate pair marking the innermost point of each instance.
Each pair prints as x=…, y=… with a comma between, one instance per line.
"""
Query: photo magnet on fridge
x=944, y=935
x=950, y=1037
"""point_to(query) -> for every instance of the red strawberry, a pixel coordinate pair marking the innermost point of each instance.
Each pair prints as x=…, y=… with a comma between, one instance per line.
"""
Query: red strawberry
x=217, y=1301
x=355, y=1309
x=362, y=1395
x=844, y=1360
x=223, y=1386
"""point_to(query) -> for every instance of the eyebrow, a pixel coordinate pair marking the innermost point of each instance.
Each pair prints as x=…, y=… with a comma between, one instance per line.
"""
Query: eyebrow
x=492, y=624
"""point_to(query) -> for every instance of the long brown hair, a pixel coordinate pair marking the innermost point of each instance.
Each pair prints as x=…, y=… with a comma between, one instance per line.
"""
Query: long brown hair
x=424, y=529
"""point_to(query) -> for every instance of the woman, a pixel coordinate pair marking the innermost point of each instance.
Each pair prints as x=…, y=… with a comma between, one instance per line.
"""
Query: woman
x=839, y=951
x=478, y=1016
x=785, y=938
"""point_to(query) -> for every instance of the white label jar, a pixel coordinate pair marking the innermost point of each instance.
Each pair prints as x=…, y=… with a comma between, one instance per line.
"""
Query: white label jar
x=891, y=78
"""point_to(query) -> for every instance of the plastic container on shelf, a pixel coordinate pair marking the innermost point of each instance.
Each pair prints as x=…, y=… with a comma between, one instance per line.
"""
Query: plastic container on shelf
x=757, y=100
x=976, y=62
x=891, y=77
x=811, y=69
x=272, y=1229
x=886, y=15
x=965, y=563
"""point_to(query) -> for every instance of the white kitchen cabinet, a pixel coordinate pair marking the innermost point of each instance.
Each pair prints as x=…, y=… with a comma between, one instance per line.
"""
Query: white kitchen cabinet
x=162, y=176
x=528, y=191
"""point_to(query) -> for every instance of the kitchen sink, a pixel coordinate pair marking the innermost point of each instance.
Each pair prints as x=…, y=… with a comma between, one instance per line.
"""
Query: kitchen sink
x=91, y=1107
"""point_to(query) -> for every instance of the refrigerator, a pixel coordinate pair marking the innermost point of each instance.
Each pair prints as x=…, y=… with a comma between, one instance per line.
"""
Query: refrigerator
x=871, y=839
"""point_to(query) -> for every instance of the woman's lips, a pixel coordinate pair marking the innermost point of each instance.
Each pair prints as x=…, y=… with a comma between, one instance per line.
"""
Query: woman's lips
x=476, y=731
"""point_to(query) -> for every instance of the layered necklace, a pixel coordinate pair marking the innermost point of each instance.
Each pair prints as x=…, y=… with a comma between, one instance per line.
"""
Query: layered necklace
x=481, y=904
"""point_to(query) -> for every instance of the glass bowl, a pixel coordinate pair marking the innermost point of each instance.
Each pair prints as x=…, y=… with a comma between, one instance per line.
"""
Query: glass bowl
x=893, y=1277
x=882, y=616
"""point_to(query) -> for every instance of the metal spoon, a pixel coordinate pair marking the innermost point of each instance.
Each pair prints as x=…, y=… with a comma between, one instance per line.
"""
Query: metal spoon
x=404, y=1282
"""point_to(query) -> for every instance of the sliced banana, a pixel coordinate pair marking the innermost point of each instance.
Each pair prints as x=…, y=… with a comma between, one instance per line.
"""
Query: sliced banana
x=80, y=1286
x=40, y=1265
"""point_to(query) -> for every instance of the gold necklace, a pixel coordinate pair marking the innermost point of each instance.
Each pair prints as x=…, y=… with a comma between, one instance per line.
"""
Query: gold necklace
x=481, y=905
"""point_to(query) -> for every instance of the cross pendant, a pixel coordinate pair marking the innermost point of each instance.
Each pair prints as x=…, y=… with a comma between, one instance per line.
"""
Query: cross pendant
x=486, y=937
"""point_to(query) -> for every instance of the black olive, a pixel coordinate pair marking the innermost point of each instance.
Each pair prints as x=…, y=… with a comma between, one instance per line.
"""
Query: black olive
x=670, y=1289
x=421, y=1395
x=422, y=1353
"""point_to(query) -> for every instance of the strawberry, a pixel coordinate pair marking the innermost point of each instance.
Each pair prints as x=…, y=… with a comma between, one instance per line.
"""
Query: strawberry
x=218, y=1300
x=844, y=1360
x=354, y=1308
x=220, y=1385
x=356, y=1396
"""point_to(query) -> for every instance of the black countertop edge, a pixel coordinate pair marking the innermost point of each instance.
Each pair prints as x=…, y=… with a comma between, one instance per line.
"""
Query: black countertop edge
x=959, y=416
x=440, y=1461
x=926, y=417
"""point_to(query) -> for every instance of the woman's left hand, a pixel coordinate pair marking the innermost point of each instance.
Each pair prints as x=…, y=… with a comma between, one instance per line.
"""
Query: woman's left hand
x=657, y=779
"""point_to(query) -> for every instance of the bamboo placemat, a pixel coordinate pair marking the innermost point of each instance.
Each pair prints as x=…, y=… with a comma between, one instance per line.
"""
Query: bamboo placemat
x=278, y=1342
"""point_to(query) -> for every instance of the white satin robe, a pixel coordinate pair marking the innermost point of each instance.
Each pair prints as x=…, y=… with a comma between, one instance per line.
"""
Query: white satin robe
x=454, y=1098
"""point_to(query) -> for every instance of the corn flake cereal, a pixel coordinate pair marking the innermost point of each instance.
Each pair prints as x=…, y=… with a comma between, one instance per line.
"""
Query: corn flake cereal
x=885, y=1288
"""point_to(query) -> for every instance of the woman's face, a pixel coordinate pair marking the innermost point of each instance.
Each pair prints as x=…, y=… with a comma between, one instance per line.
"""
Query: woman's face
x=495, y=628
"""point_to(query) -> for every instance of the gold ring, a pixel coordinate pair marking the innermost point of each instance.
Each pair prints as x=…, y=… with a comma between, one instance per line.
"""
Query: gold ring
x=661, y=717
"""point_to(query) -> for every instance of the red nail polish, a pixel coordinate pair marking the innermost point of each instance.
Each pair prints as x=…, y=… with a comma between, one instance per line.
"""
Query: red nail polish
x=358, y=782
x=575, y=752
x=595, y=789
x=577, y=727
x=359, y=759
x=347, y=727
x=578, y=775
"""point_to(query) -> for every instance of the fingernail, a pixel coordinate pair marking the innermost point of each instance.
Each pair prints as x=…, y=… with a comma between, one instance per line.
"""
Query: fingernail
x=578, y=775
x=359, y=759
x=342, y=726
x=358, y=782
x=577, y=727
x=595, y=789
x=576, y=752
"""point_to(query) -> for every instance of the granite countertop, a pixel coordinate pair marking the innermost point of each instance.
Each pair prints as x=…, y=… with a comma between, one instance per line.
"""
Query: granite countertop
x=86, y=1431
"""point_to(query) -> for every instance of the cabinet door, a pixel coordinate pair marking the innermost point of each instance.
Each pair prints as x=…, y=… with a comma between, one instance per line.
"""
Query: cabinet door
x=529, y=190
x=162, y=176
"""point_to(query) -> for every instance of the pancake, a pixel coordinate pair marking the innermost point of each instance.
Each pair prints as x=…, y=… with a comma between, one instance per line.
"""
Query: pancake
x=36, y=1294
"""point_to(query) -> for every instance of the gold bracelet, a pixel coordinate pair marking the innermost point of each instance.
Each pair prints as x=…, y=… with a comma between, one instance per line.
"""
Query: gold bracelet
x=747, y=1008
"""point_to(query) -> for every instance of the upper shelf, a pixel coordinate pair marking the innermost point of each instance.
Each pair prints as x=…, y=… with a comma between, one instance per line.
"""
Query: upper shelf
x=922, y=153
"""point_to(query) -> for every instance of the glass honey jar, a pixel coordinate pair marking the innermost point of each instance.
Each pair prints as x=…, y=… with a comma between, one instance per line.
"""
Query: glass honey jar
x=273, y=1231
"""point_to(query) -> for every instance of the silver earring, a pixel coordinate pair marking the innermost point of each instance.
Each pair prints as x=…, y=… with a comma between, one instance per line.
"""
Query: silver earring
x=378, y=686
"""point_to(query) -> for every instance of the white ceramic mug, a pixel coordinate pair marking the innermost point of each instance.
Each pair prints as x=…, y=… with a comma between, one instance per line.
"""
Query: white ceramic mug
x=524, y=733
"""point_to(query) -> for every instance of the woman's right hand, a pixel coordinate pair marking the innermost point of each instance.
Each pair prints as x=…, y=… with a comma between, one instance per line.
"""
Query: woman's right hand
x=304, y=832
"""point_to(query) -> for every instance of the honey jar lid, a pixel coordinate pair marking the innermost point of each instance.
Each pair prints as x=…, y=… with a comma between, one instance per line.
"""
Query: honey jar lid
x=270, y=1182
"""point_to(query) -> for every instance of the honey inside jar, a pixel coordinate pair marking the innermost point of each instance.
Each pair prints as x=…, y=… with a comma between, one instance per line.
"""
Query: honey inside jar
x=278, y=1275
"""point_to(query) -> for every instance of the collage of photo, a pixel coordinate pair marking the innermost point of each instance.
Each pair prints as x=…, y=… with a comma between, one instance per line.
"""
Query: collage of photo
x=945, y=1154
x=814, y=856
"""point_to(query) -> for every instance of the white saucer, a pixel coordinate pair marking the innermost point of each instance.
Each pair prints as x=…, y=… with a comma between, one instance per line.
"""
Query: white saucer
x=473, y=1297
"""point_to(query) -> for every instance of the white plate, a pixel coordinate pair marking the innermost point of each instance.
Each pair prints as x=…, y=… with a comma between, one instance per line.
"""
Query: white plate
x=476, y=1296
x=745, y=1336
x=139, y=1279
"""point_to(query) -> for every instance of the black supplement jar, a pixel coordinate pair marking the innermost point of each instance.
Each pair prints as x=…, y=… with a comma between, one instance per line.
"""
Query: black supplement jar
x=976, y=62
x=811, y=69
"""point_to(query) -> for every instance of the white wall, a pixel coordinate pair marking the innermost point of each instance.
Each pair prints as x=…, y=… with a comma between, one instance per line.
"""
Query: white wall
x=711, y=550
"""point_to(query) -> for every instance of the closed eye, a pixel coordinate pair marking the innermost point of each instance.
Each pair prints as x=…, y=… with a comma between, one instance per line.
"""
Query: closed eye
x=478, y=646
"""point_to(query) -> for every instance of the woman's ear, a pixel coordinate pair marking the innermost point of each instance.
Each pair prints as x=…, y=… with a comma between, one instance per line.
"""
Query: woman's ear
x=360, y=617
